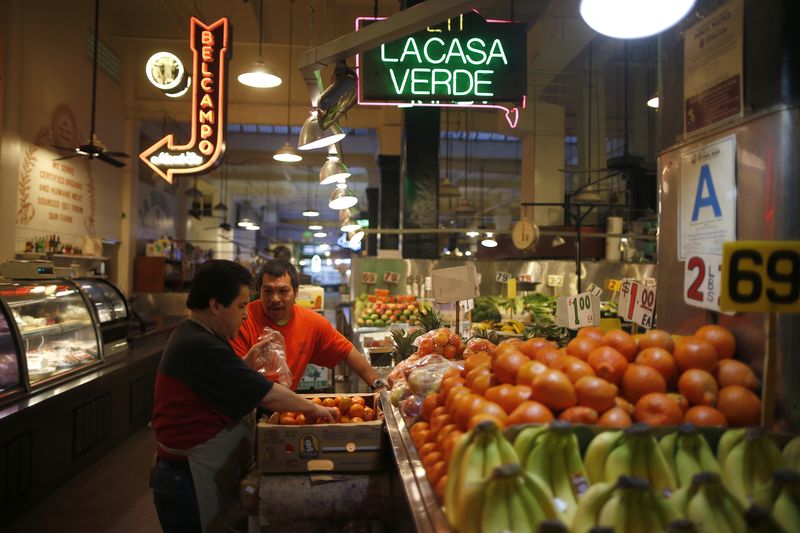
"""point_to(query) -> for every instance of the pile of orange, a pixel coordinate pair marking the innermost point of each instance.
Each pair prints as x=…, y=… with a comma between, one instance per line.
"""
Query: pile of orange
x=347, y=409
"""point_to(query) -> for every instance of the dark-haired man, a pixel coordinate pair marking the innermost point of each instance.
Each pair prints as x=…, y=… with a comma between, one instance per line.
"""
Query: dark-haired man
x=309, y=337
x=204, y=399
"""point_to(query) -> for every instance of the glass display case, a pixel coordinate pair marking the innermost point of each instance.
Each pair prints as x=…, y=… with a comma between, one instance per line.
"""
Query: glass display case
x=113, y=313
x=57, y=333
x=10, y=375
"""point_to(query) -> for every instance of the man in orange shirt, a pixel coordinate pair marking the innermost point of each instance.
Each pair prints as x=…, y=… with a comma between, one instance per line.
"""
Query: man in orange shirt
x=309, y=337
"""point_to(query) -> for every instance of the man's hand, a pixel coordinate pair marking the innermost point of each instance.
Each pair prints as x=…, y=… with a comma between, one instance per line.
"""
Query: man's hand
x=250, y=357
x=318, y=413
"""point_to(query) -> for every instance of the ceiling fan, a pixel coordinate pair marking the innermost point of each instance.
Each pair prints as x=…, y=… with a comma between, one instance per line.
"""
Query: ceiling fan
x=94, y=148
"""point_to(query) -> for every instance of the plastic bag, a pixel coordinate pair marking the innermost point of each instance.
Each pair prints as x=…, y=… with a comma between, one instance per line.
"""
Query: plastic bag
x=475, y=346
x=441, y=341
x=269, y=357
x=427, y=378
x=410, y=409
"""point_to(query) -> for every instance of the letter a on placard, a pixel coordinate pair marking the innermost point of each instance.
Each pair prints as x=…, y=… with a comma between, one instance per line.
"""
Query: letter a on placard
x=711, y=200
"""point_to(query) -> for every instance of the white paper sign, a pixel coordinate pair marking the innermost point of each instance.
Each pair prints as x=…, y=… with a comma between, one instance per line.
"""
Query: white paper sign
x=369, y=278
x=525, y=278
x=701, y=281
x=707, y=199
x=555, y=280
x=594, y=289
x=467, y=305
x=581, y=310
x=637, y=302
x=502, y=277
x=391, y=277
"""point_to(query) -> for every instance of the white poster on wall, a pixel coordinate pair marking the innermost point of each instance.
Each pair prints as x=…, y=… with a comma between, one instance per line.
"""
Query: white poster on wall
x=707, y=199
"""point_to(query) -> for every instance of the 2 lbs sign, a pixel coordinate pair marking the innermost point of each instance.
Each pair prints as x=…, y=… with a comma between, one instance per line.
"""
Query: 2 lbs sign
x=701, y=281
x=761, y=276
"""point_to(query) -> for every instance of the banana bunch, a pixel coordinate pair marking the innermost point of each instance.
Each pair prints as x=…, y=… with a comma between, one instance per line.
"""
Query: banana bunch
x=472, y=462
x=709, y=505
x=628, y=505
x=552, y=454
x=791, y=452
x=781, y=496
x=511, y=500
x=688, y=453
x=630, y=452
x=511, y=326
x=748, y=458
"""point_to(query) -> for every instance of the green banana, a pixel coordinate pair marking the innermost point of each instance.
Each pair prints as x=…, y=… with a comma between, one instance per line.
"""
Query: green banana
x=618, y=462
x=791, y=452
x=607, y=516
x=560, y=482
x=454, y=478
x=531, y=505
x=700, y=510
x=660, y=474
x=708, y=463
x=494, y=507
x=759, y=520
x=728, y=440
x=687, y=461
x=492, y=458
x=680, y=499
x=772, y=453
x=590, y=504
x=525, y=440
x=786, y=509
x=663, y=509
x=597, y=454
x=579, y=479
x=541, y=494
x=507, y=453
x=471, y=479
x=737, y=469
x=668, y=447
x=518, y=516
x=639, y=458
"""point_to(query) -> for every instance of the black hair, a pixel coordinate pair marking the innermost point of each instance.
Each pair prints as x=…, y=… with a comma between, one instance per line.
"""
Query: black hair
x=219, y=279
x=277, y=268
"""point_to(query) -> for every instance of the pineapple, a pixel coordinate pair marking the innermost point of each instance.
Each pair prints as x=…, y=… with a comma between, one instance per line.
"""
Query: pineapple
x=430, y=319
x=404, y=342
x=488, y=334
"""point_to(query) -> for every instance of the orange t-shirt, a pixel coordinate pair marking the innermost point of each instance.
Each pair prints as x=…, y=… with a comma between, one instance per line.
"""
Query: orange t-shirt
x=309, y=337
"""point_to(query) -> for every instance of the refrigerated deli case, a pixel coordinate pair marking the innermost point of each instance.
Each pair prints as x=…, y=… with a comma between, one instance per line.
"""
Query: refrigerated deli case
x=113, y=313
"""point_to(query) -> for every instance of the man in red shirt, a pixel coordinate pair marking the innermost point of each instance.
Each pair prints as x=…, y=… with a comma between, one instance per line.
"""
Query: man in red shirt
x=309, y=337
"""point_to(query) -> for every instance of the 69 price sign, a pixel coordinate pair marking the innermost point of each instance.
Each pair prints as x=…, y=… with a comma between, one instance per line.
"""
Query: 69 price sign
x=761, y=276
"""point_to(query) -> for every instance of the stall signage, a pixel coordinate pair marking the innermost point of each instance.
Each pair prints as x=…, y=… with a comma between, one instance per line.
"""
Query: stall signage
x=502, y=277
x=761, y=276
x=581, y=310
x=391, y=277
x=206, y=145
x=412, y=280
x=525, y=278
x=613, y=285
x=701, y=281
x=595, y=290
x=369, y=278
x=467, y=305
x=464, y=59
x=637, y=302
x=555, y=280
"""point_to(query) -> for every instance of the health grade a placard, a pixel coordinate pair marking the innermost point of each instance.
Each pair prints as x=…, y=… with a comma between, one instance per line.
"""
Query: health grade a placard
x=463, y=59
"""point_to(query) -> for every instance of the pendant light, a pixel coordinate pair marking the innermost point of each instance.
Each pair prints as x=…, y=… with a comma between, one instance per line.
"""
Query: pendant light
x=446, y=189
x=348, y=220
x=464, y=207
x=312, y=136
x=488, y=240
x=260, y=76
x=342, y=197
x=287, y=154
x=315, y=227
x=223, y=191
x=310, y=210
x=334, y=170
x=632, y=19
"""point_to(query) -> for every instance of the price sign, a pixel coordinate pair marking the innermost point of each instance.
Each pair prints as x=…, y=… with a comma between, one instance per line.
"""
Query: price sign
x=701, y=281
x=637, y=302
x=391, y=277
x=525, y=278
x=594, y=289
x=581, y=310
x=412, y=280
x=369, y=278
x=467, y=305
x=428, y=283
x=555, y=280
x=614, y=285
x=502, y=277
x=760, y=276
x=650, y=282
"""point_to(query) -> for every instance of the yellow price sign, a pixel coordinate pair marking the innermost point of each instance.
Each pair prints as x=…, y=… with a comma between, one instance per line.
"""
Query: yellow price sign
x=760, y=276
x=613, y=285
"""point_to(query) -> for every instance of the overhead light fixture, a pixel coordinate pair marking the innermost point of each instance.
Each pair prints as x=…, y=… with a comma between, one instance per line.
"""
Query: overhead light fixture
x=489, y=240
x=342, y=197
x=558, y=240
x=287, y=154
x=632, y=19
x=333, y=170
x=310, y=213
x=468, y=253
x=253, y=227
x=312, y=136
x=193, y=190
x=245, y=223
x=339, y=97
x=473, y=234
x=320, y=234
x=180, y=91
x=356, y=237
x=315, y=227
x=260, y=76
x=447, y=189
x=346, y=221
x=587, y=197
x=653, y=102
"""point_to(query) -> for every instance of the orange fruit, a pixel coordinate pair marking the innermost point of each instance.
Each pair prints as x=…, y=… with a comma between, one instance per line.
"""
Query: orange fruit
x=482, y=383
x=656, y=338
x=658, y=409
x=438, y=422
x=444, y=433
x=507, y=364
x=528, y=371
x=452, y=394
x=530, y=412
x=506, y=347
x=441, y=485
x=616, y=417
x=432, y=458
x=531, y=346
x=693, y=352
x=581, y=346
x=681, y=400
x=369, y=414
x=548, y=355
x=703, y=415
x=474, y=361
x=608, y=363
x=287, y=419
x=436, y=472
x=740, y=406
x=554, y=389
x=480, y=417
x=579, y=414
x=430, y=403
x=721, y=337
x=508, y=396
x=596, y=393
x=475, y=372
x=465, y=407
x=492, y=409
x=593, y=332
x=639, y=380
x=661, y=360
x=622, y=342
x=574, y=368
x=426, y=448
x=699, y=387
x=423, y=437
x=733, y=372
x=329, y=402
x=450, y=443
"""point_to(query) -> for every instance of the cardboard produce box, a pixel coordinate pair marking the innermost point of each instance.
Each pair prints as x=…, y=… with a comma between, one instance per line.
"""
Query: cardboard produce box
x=322, y=447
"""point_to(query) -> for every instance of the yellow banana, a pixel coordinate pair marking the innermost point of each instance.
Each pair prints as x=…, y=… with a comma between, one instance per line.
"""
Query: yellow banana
x=687, y=462
x=701, y=511
x=590, y=504
x=518, y=516
x=618, y=462
x=538, y=460
x=772, y=453
x=680, y=499
x=541, y=493
x=639, y=458
x=661, y=509
x=525, y=440
x=494, y=507
x=559, y=476
x=737, y=470
x=608, y=514
x=728, y=440
x=731, y=510
x=667, y=445
x=708, y=463
x=507, y=453
x=491, y=454
x=454, y=478
x=535, y=514
x=471, y=479
x=579, y=479
x=791, y=452
x=661, y=476
x=597, y=453
x=786, y=509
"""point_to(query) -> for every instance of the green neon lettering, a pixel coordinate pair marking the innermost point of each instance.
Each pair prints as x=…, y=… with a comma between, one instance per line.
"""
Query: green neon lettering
x=428, y=58
x=455, y=44
x=497, y=45
x=479, y=81
x=463, y=72
x=478, y=48
x=410, y=49
x=384, y=58
x=415, y=80
x=401, y=88
x=448, y=77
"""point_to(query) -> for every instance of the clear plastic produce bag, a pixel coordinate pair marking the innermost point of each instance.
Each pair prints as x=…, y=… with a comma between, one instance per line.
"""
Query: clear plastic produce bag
x=269, y=357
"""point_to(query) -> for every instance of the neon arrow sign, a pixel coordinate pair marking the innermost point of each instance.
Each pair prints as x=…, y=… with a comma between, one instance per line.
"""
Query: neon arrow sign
x=206, y=145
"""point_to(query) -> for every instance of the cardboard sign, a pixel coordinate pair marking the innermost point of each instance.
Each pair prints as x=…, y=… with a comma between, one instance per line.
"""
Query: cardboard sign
x=595, y=290
x=555, y=280
x=579, y=311
x=502, y=277
x=637, y=303
x=370, y=278
x=761, y=276
x=391, y=277
x=454, y=284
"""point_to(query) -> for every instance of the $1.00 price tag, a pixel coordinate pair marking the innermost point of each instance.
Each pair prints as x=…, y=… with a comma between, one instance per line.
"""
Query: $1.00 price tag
x=760, y=276
x=502, y=277
x=370, y=278
x=555, y=280
x=594, y=289
x=391, y=277
x=637, y=302
x=575, y=312
x=701, y=281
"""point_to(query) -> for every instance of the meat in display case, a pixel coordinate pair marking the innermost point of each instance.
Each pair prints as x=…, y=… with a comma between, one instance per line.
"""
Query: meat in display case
x=56, y=331
x=112, y=312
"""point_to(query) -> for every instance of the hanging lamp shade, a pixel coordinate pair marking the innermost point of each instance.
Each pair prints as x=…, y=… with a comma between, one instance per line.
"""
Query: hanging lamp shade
x=310, y=212
x=333, y=171
x=287, y=154
x=348, y=220
x=312, y=136
x=342, y=197
x=315, y=227
x=464, y=207
x=447, y=189
x=356, y=237
x=587, y=197
x=260, y=76
x=489, y=240
x=632, y=19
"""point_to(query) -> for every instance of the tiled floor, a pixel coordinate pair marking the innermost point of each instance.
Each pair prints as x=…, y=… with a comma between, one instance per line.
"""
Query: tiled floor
x=110, y=496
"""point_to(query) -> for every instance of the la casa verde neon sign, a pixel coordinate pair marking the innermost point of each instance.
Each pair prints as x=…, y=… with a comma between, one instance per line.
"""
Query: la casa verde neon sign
x=464, y=60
